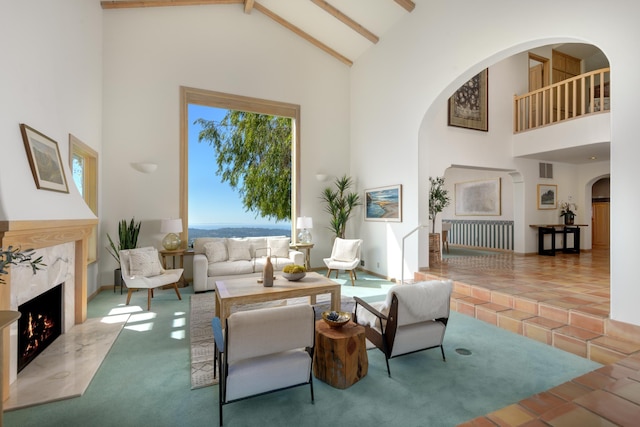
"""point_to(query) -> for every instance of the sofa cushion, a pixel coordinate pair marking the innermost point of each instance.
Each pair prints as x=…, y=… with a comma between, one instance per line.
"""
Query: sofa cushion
x=239, y=249
x=279, y=246
x=144, y=262
x=199, y=242
x=229, y=268
x=216, y=252
x=258, y=246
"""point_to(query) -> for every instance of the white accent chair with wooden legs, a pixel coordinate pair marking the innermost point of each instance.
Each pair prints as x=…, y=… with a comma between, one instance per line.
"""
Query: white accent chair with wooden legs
x=141, y=269
x=344, y=256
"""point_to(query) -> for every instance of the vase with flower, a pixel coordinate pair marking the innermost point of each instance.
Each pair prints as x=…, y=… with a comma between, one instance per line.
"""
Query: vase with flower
x=568, y=211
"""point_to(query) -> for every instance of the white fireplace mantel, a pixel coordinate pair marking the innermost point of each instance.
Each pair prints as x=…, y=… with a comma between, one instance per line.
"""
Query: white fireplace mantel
x=40, y=234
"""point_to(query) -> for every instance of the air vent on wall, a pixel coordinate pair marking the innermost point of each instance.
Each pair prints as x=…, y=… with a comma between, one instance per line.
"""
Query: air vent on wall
x=546, y=170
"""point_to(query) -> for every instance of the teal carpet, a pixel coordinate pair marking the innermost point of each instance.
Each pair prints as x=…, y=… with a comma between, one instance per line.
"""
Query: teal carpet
x=145, y=379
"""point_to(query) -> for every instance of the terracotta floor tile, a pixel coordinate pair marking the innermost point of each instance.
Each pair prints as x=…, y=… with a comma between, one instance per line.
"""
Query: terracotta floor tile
x=570, y=390
x=571, y=415
x=616, y=371
x=478, y=422
x=627, y=389
x=511, y=416
x=594, y=380
x=611, y=407
x=542, y=402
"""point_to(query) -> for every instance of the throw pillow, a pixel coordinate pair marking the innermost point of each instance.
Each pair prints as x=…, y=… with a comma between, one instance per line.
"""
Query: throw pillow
x=144, y=262
x=279, y=247
x=346, y=250
x=239, y=250
x=216, y=251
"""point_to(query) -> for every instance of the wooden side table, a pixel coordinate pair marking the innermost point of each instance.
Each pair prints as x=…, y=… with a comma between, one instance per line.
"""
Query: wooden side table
x=306, y=248
x=180, y=254
x=340, y=357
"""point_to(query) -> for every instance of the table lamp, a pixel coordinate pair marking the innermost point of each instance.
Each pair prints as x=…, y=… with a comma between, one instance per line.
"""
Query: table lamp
x=171, y=241
x=304, y=223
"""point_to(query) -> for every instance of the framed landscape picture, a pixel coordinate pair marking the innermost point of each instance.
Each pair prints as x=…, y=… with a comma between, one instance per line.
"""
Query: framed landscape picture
x=547, y=196
x=478, y=197
x=468, y=106
x=383, y=204
x=44, y=159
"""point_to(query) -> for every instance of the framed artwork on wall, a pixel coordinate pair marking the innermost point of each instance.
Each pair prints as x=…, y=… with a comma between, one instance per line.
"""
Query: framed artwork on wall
x=478, y=197
x=547, y=196
x=469, y=105
x=383, y=204
x=45, y=161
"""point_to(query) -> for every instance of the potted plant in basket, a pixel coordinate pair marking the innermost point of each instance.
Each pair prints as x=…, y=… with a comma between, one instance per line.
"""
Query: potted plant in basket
x=568, y=211
x=127, y=239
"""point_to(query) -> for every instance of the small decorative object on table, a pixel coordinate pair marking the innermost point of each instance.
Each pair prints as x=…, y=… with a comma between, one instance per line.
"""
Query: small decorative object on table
x=568, y=211
x=293, y=272
x=336, y=319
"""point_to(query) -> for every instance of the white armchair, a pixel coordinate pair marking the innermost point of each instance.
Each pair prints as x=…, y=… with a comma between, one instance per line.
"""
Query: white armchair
x=412, y=318
x=141, y=269
x=264, y=350
x=345, y=255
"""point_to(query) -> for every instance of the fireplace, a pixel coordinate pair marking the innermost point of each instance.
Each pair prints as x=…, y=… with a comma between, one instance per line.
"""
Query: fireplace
x=39, y=325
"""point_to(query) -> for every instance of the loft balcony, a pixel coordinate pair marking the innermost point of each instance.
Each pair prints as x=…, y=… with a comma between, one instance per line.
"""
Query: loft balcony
x=580, y=96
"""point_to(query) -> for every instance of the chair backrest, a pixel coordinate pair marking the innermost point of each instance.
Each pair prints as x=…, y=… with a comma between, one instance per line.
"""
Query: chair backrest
x=422, y=301
x=125, y=259
x=264, y=331
x=346, y=249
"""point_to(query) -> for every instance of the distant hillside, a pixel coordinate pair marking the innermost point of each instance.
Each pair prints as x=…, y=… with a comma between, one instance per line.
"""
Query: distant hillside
x=238, y=232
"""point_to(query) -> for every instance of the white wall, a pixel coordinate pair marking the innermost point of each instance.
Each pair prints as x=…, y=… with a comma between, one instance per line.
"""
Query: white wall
x=426, y=57
x=150, y=52
x=51, y=80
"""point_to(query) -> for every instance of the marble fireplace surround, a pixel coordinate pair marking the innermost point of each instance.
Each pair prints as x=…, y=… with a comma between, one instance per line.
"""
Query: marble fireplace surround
x=66, y=244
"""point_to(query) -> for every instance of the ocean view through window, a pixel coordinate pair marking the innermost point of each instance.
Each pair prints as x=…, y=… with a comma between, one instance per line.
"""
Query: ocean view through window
x=215, y=208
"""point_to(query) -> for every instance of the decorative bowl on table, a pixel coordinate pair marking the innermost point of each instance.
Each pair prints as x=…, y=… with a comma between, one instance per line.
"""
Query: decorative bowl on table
x=293, y=272
x=294, y=276
x=336, y=319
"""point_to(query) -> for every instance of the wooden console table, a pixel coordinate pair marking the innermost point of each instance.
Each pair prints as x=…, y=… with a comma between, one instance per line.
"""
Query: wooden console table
x=180, y=254
x=552, y=230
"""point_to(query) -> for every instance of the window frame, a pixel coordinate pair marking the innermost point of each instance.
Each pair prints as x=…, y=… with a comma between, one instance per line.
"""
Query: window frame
x=227, y=101
x=89, y=187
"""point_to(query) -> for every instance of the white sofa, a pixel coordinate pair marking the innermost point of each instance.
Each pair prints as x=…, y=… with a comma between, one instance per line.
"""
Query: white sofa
x=219, y=258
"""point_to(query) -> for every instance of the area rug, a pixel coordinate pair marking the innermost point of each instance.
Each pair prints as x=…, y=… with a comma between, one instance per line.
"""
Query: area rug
x=202, y=310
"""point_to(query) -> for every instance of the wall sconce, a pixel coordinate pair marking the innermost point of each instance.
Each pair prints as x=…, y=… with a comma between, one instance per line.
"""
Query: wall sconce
x=145, y=167
x=322, y=177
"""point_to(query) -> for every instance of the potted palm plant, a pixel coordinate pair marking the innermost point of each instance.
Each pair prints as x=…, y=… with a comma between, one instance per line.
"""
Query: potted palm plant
x=438, y=200
x=127, y=239
x=340, y=204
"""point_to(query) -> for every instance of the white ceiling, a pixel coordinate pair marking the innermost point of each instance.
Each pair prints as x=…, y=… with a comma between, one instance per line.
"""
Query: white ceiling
x=347, y=28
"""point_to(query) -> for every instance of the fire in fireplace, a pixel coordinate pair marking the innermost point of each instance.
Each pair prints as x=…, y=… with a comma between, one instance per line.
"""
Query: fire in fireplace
x=39, y=325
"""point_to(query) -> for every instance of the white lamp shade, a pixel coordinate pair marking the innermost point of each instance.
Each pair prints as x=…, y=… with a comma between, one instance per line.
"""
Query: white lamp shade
x=171, y=226
x=304, y=222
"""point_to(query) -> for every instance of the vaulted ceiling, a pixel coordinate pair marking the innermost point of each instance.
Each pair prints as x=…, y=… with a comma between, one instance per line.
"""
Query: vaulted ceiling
x=341, y=28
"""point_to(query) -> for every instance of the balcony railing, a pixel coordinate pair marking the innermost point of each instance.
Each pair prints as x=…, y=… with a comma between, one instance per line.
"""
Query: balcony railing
x=575, y=97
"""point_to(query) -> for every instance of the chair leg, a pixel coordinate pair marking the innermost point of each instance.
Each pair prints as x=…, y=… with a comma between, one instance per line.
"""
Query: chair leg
x=386, y=359
x=149, y=296
x=175, y=286
x=129, y=295
x=328, y=272
x=444, y=359
x=351, y=274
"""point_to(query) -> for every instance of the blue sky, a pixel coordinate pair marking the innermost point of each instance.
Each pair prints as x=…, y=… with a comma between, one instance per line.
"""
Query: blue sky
x=210, y=201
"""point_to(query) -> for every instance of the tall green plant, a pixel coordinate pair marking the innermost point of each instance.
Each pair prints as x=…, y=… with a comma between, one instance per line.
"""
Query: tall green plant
x=438, y=199
x=127, y=238
x=340, y=204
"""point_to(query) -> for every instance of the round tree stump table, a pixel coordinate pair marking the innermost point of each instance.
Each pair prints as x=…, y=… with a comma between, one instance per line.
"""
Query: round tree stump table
x=340, y=357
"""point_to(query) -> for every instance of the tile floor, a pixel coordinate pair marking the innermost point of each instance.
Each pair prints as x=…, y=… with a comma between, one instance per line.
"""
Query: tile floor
x=562, y=301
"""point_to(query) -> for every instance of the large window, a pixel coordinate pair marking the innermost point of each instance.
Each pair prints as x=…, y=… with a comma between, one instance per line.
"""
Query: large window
x=84, y=168
x=196, y=97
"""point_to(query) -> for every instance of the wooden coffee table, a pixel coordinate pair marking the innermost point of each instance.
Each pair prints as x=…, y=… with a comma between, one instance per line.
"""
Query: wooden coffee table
x=247, y=290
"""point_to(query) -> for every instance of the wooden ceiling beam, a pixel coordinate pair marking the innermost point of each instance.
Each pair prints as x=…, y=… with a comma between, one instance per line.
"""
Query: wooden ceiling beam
x=407, y=4
x=129, y=4
x=346, y=20
x=248, y=6
x=288, y=25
